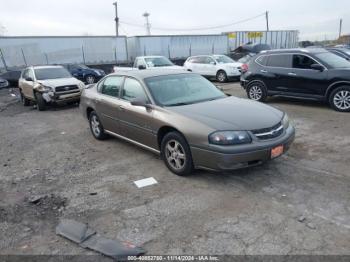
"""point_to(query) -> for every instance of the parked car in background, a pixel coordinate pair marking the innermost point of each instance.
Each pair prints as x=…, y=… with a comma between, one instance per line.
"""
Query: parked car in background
x=220, y=67
x=48, y=84
x=149, y=62
x=245, y=59
x=342, y=52
x=186, y=119
x=12, y=77
x=85, y=73
x=301, y=73
x=246, y=49
x=3, y=83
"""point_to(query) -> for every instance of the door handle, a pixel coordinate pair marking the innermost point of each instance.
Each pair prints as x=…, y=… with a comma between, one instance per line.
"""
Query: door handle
x=263, y=71
x=292, y=74
x=121, y=108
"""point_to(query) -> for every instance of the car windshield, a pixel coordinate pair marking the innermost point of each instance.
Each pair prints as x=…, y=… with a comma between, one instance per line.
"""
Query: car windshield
x=333, y=60
x=82, y=66
x=182, y=89
x=158, y=61
x=51, y=73
x=222, y=59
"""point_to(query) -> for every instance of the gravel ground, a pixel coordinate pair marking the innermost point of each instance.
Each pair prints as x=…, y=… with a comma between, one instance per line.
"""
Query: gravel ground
x=296, y=204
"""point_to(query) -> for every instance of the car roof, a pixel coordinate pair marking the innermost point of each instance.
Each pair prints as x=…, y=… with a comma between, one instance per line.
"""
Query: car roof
x=146, y=73
x=45, y=66
x=295, y=50
x=150, y=56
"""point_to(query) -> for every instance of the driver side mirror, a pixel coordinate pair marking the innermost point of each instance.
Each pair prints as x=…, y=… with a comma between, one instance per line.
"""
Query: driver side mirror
x=317, y=67
x=140, y=102
x=213, y=63
x=29, y=79
x=141, y=67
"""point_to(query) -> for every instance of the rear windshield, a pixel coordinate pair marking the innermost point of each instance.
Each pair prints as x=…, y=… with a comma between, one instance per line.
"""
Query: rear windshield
x=333, y=60
x=51, y=73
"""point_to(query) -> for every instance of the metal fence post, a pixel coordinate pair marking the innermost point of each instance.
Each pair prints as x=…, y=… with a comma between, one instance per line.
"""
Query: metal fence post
x=144, y=50
x=82, y=51
x=24, y=57
x=115, y=55
x=169, y=52
x=3, y=59
x=47, y=58
x=212, y=48
x=190, y=49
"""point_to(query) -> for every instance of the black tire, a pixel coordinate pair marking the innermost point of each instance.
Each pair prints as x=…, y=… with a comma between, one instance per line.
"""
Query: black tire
x=89, y=79
x=221, y=76
x=25, y=101
x=40, y=102
x=335, y=99
x=181, y=154
x=95, y=124
x=256, y=90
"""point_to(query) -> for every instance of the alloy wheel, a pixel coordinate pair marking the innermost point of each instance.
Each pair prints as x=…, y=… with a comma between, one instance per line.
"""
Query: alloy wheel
x=221, y=77
x=175, y=154
x=342, y=100
x=255, y=93
x=90, y=79
x=95, y=125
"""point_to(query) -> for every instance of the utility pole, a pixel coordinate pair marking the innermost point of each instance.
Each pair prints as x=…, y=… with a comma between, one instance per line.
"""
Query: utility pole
x=148, y=25
x=340, y=27
x=267, y=20
x=116, y=19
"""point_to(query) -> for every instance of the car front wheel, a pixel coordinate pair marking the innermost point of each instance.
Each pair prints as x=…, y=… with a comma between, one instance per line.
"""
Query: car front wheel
x=221, y=76
x=340, y=99
x=90, y=79
x=256, y=91
x=40, y=102
x=25, y=101
x=176, y=154
x=96, y=126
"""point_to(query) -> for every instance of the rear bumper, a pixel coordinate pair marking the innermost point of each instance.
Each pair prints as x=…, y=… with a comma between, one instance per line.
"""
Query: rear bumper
x=217, y=161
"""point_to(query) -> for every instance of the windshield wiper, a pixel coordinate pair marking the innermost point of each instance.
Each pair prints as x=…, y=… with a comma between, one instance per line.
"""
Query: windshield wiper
x=178, y=104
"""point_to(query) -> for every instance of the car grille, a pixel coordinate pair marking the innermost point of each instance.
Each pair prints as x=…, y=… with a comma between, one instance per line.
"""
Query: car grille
x=269, y=133
x=66, y=88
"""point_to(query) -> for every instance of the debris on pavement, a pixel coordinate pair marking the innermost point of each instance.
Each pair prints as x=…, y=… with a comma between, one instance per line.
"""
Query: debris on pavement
x=35, y=199
x=301, y=219
x=86, y=237
x=311, y=225
x=145, y=182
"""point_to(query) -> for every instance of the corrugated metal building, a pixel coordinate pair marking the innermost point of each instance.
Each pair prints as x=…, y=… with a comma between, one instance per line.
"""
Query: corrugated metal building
x=276, y=39
x=177, y=46
x=21, y=51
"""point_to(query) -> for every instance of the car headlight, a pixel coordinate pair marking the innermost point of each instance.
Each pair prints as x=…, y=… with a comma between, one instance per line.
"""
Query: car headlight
x=43, y=88
x=81, y=85
x=230, y=138
x=285, y=121
x=97, y=72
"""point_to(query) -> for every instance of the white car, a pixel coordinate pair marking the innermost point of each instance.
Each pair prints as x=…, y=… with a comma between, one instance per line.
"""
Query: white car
x=219, y=66
x=149, y=62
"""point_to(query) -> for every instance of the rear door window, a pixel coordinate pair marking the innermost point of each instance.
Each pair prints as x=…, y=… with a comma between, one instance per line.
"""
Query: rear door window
x=112, y=85
x=280, y=60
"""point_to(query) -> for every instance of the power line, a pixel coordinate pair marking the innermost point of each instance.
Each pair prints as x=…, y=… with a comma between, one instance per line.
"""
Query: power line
x=198, y=28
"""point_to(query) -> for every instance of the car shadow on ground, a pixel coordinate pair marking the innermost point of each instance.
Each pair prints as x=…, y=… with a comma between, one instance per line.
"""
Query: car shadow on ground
x=296, y=101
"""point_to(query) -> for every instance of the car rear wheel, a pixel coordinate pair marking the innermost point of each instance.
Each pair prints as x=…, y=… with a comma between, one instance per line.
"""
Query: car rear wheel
x=340, y=99
x=257, y=91
x=96, y=126
x=221, y=76
x=90, y=79
x=25, y=101
x=176, y=154
x=40, y=102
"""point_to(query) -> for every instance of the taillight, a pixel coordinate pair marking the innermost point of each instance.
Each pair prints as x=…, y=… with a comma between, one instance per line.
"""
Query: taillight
x=244, y=68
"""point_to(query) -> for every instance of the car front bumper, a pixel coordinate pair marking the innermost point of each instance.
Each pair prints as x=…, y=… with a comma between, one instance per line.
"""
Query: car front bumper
x=219, y=161
x=63, y=97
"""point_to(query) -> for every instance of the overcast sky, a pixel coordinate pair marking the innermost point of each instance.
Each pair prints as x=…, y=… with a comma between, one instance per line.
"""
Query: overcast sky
x=315, y=19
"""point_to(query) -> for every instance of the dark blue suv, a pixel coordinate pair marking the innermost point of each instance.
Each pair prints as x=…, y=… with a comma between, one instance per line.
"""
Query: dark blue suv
x=84, y=73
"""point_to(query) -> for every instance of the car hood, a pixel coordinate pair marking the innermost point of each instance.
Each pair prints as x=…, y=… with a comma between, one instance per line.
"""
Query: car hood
x=231, y=113
x=60, y=82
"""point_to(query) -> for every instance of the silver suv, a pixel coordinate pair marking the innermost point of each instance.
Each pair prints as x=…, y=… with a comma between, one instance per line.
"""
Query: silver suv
x=48, y=84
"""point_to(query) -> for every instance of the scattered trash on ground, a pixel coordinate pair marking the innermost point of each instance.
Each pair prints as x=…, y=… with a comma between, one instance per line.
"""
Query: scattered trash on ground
x=311, y=225
x=86, y=237
x=145, y=182
x=93, y=193
x=301, y=219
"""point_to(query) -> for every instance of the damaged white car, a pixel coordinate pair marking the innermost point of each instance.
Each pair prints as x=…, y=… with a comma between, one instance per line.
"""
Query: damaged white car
x=48, y=84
